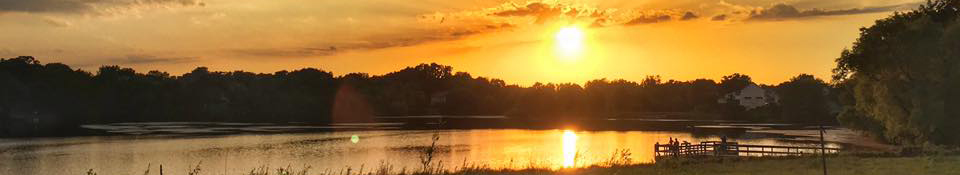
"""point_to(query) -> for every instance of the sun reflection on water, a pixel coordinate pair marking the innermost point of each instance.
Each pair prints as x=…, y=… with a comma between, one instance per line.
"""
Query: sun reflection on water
x=569, y=148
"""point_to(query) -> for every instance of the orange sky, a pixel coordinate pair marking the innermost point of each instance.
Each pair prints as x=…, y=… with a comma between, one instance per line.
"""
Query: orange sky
x=512, y=40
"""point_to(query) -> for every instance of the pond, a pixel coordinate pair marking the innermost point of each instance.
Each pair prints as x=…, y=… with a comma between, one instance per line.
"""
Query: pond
x=339, y=150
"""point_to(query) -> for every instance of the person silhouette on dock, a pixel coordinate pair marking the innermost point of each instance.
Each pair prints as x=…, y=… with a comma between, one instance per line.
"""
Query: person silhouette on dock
x=673, y=146
x=723, y=145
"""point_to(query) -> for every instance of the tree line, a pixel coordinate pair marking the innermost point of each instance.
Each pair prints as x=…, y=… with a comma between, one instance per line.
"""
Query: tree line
x=63, y=97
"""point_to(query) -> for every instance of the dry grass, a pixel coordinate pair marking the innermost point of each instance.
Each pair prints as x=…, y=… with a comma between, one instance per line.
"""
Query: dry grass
x=846, y=164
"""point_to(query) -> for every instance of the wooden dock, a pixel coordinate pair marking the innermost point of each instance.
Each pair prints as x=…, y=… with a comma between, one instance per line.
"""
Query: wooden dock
x=734, y=149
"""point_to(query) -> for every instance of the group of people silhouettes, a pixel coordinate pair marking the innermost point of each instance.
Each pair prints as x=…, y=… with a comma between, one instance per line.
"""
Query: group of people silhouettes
x=676, y=146
x=677, y=142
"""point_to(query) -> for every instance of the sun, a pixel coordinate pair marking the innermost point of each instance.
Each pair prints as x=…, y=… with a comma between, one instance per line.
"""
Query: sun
x=569, y=43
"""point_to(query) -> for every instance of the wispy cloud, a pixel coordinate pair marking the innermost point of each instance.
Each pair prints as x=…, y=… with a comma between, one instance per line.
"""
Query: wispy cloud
x=56, y=22
x=287, y=52
x=152, y=59
x=95, y=7
x=784, y=11
x=541, y=11
x=649, y=19
x=377, y=42
x=689, y=16
x=658, y=16
x=720, y=17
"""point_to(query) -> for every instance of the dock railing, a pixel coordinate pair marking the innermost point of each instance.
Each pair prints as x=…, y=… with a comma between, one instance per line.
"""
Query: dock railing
x=714, y=148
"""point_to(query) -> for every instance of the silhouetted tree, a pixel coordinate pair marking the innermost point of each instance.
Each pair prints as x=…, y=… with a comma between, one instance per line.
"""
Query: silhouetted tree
x=734, y=82
x=903, y=76
x=63, y=98
x=804, y=99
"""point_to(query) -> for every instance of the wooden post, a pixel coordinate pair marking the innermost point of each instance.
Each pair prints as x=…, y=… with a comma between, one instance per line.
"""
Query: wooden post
x=656, y=149
x=823, y=151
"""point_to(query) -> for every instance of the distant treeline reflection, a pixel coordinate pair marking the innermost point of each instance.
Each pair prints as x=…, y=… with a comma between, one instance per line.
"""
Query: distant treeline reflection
x=55, y=96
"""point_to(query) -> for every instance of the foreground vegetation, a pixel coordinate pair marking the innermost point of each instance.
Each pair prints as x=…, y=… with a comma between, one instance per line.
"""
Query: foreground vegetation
x=805, y=166
x=846, y=164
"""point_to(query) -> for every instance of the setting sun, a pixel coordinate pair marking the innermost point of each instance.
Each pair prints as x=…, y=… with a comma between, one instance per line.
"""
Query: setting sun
x=569, y=43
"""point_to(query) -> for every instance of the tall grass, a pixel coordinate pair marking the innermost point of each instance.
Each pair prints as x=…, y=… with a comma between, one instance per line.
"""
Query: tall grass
x=428, y=154
x=621, y=164
x=430, y=166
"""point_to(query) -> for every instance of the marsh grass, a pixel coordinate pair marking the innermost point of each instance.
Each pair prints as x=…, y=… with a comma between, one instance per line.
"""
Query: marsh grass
x=618, y=164
x=195, y=170
x=264, y=170
x=620, y=157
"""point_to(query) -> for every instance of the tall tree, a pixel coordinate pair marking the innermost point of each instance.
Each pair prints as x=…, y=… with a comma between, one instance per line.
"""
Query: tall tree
x=804, y=99
x=734, y=82
x=903, y=74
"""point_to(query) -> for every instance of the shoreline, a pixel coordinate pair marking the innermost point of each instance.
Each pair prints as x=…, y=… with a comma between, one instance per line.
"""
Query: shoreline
x=874, y=164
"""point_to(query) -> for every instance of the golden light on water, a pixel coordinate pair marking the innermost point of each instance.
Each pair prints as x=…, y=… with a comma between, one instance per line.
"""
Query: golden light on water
x=569, y=43
x=569, y=148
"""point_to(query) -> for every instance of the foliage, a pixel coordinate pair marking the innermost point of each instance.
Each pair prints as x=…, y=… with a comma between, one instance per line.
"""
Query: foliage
x=734, y=82
x=802, y=100
x=61, y=98
x=902, y=78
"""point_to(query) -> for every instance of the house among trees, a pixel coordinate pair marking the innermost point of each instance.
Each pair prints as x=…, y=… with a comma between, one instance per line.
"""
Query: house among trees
x=437, y=100
x=751, y=96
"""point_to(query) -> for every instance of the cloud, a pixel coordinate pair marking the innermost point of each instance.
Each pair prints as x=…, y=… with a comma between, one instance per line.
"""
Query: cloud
x=599, y=22
x=688, y=16
x=719, y=17
x=420, y=36
x=377, y=42
x=649, y=19
x=287, y=52
x=56, y=22
x=541, y=11
x=658, y=16
x=151, y=59
x=544, y=11
x=453, y=25
x=96, y=7
x=784, y=11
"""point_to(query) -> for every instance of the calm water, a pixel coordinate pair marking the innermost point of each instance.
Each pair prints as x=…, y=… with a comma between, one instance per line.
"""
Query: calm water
x=237, y=154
